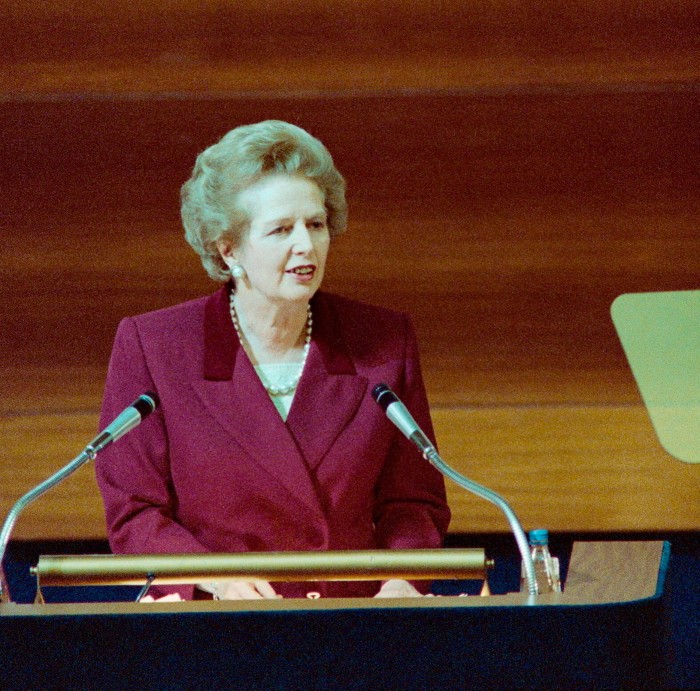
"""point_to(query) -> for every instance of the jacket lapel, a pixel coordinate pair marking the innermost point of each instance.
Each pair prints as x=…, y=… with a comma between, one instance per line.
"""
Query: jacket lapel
x=233, y=394
x=330, y=390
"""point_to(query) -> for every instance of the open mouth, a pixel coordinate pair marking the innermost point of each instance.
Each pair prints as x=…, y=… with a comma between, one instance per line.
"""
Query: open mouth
x=302, y=270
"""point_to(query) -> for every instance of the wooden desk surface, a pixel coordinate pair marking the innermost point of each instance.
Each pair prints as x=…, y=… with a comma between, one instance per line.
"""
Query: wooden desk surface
x=599, y=573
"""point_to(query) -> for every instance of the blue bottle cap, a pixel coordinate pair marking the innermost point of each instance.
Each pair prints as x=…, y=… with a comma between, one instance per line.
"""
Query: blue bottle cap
x=539, y=536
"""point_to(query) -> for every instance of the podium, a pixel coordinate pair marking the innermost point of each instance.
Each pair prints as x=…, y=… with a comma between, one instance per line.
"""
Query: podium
x=605, y=630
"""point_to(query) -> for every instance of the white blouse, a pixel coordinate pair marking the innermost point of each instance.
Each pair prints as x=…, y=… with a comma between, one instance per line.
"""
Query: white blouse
x=277, y=374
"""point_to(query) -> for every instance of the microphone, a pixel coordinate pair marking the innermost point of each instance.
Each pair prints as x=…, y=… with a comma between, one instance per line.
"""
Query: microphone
x=397, y=412
x=129, y=418
x=141, y=408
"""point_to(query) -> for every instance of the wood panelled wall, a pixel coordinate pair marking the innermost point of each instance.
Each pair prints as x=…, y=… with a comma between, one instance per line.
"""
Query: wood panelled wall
x=512, y=168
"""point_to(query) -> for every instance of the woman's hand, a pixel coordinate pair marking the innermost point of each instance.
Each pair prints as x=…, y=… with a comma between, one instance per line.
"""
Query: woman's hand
x=397, y=588
x=245, y=590
x=173, y=597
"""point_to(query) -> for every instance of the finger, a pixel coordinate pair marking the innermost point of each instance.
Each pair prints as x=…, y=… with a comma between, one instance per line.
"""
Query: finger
x=266, y=590
x=248, y=591
x=240, y=590
x=397, y=588
x=172, y=597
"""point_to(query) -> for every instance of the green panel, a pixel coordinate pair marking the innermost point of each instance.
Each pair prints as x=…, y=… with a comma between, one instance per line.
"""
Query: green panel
x=660, y=333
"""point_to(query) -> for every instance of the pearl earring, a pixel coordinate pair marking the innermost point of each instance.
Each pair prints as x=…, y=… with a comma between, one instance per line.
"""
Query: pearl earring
x=237, y=271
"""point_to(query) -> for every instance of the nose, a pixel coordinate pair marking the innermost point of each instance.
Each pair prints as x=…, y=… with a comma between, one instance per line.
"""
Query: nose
x=302, y=242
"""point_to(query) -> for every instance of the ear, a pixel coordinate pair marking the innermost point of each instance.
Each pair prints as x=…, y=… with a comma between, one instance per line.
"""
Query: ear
x=227, y=250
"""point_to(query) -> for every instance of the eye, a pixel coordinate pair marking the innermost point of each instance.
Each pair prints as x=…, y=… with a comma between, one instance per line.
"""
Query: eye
x=317, y=225
x=279, y=230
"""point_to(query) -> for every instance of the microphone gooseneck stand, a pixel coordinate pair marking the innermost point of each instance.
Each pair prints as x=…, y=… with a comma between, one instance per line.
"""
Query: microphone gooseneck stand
x=87, y=455
x=397, y=412
x=129, y=418
x=485, y=493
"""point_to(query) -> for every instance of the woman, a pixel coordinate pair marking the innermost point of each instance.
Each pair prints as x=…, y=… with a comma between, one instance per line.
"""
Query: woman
x=267, y=438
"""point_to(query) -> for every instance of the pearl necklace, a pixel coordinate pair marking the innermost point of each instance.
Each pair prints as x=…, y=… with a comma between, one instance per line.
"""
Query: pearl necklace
x=282, y=389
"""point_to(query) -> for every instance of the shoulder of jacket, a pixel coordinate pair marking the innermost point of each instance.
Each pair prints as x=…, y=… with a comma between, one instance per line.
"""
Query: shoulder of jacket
x=170, y=321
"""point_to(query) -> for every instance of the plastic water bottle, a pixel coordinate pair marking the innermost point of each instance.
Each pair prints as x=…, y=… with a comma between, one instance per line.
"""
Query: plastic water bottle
x=546, y=566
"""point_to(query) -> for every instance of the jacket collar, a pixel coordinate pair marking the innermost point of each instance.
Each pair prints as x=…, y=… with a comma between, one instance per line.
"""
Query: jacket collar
x=221, y=344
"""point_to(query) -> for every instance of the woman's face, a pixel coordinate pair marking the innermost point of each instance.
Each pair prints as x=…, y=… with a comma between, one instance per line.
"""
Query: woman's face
x=284, y=251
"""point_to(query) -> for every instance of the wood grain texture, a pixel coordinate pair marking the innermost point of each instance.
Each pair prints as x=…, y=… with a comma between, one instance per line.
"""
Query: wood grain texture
x=505, y=225
x=512, y=168
x=567, y=468
x=618, y=571
x=204, y=47
x=34, y=448
x=570, y=469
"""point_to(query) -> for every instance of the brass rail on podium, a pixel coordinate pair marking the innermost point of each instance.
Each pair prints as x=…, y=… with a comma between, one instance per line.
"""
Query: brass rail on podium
x=170, y=569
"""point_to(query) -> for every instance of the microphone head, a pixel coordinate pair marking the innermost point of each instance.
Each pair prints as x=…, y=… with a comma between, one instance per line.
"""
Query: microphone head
x=384, y=396
x=146, y=403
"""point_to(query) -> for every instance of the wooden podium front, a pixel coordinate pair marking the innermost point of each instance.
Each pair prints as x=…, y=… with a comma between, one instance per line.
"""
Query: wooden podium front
x=606, y=630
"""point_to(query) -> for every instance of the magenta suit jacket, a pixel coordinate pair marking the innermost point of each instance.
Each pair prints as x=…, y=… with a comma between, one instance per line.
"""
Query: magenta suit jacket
x=216, y=469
